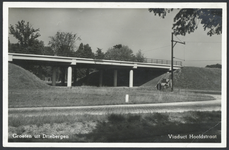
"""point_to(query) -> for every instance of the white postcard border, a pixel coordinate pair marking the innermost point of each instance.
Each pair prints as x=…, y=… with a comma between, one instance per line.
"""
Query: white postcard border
x=7, y=5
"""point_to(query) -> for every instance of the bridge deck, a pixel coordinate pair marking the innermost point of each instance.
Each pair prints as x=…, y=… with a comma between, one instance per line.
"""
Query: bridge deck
x=149, y=63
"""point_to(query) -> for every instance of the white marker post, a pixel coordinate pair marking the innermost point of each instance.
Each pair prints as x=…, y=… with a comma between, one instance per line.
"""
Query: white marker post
x=127, y=98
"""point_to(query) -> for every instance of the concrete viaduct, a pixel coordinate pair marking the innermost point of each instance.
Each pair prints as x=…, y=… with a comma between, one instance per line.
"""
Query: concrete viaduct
x=70, y=62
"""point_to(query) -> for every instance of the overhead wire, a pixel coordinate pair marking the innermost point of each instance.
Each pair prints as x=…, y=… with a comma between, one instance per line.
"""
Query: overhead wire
x=203, y=60
x=184, y=49
x=200, y=42
x=178, y=38
x=158, y=48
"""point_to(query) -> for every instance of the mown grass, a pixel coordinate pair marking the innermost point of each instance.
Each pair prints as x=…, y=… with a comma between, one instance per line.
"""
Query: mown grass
x=17, y=121
x=151, y=127
x=86, y=95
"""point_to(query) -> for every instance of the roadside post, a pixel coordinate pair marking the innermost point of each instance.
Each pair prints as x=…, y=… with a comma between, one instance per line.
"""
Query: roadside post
x=127, y=98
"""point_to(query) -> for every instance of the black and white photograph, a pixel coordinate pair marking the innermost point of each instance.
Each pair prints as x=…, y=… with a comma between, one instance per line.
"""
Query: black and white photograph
x=114, y=74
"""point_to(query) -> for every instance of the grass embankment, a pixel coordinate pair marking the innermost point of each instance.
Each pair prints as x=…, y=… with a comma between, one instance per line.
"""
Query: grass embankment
x=194, y=78
x=20, y=78
x=89, y=96
x=152, y=127
x=198, y=78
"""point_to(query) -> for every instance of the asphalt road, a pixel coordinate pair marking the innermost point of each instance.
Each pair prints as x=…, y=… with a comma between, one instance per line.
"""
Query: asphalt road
x=211, y=105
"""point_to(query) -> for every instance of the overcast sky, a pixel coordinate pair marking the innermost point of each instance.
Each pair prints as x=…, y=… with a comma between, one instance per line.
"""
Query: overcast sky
x=137, y=28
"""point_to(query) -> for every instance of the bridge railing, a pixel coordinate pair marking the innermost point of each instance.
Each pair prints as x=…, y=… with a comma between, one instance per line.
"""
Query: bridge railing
x=146, y=60
x=162, y=61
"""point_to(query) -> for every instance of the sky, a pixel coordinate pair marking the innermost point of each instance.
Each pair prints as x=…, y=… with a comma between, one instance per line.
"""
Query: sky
x=136, y=28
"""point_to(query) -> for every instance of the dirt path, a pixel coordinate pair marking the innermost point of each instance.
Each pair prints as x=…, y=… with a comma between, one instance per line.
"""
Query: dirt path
x=212, y=105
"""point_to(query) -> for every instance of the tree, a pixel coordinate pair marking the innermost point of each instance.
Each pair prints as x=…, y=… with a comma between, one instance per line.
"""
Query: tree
x=28, y=44
x=48, y=51
x=118, y=46
x=79, y=52
x=84, y=51
x=37, y=47
x=187, y=20
x=139, y=57
x=88, y=51
x=99, y=54
x=214, y=66
x=119, y=52
x=63, y=43
x=27, y=39
x=24, y=33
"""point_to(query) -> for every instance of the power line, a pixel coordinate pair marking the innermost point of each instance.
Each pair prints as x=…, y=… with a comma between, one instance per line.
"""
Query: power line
x=178, y=58
x=178, y=38
x=200, y=42
x=202, y=60
x=157, y=48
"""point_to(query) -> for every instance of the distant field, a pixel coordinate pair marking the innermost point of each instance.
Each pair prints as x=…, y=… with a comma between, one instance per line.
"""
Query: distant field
x=86, y=96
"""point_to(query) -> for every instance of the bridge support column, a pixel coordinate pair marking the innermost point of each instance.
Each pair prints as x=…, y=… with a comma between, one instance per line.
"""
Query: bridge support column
x=54, y=76
x=115, y=77
x=100, y=78
x=69, y=84
x=131, y=78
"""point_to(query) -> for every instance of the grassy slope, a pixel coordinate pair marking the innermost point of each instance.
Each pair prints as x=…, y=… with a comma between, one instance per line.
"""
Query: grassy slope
x=20, y=78
x=198, y=78
x=194, y=78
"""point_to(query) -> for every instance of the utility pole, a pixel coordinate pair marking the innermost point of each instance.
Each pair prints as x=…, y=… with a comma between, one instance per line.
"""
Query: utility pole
x=172, y=62
x=172, y=46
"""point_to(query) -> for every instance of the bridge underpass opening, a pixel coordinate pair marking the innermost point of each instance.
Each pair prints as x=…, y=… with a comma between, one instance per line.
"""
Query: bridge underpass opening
x=123, y=77
x=112, y=73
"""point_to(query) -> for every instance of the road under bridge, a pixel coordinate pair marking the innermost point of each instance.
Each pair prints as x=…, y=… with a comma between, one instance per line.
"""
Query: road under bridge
x=74, y=62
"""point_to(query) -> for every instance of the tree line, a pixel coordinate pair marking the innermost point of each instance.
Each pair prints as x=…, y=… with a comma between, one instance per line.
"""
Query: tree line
x=63, y=44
